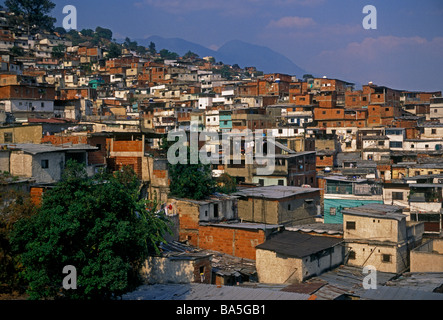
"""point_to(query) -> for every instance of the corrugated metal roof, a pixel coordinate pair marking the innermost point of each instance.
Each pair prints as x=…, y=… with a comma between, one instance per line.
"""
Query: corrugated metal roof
x=377, y=210
x=198, y=291
x=34, y=148
x=321, y=228
x=297, y=244
x=345, y=280
x=398, y=293
x=424, y=281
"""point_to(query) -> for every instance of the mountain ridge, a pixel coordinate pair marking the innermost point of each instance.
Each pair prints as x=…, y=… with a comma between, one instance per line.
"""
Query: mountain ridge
x=232, y=52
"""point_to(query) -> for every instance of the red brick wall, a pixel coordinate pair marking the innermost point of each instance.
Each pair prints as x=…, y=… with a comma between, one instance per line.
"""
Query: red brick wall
x=236, y=242
x=26, y=92
x=117, y=163
x=36, y=194
x=325, y=161
x=127, y=146
x=207, y=271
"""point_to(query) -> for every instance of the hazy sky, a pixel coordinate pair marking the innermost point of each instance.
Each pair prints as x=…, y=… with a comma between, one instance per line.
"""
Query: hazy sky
x=325, y=37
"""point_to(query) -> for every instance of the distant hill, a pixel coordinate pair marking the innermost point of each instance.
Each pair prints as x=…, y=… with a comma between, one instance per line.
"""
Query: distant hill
x=242, y=53
x=176, y=45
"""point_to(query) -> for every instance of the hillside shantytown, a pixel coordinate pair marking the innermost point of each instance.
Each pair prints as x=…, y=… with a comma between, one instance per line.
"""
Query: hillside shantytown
x=357, y=179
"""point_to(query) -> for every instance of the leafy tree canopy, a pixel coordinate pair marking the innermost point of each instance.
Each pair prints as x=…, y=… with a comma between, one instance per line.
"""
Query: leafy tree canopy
x=192, y=181
x=114, y=51
x=34, y=12
x=14, y=206
x=58, y=51
x=104, y=33
x=99, y=226
x=166, y=54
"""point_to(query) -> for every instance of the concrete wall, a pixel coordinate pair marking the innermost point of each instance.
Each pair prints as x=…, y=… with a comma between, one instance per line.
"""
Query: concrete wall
x=428, y=257
x=258, y=210
x=276, y=268
x=165, y=270
x=372, y=255
x=4, y=160
x=26, y=165
x=289, y=212
x=273, y=267
x=54, y=171
x=367, y=228
x=21, y=164
x=22, y=134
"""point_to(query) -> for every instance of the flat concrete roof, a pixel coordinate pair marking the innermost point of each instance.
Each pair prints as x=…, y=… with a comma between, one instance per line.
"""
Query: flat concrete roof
x=34, y=148
x=274, y=192
x=377, y=210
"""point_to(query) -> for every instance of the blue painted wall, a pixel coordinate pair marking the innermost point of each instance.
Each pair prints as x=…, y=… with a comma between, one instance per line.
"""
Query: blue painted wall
x=339, y=204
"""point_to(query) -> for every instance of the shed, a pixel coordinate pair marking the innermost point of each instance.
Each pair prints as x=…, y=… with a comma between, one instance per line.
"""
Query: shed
x=291, y=257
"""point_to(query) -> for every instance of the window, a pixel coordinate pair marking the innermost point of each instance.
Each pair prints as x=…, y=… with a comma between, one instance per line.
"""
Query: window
x=215, y=210
x=395, y=144
x=8, y=137
x=332, y=211
x=350, y=225
x=381, y=143
x=261, y=182
x=351, y=255
x=281, y=182
x=289, y=207
x=45, y=163
x=397, y=195
x=386, y=258
x=434, y=131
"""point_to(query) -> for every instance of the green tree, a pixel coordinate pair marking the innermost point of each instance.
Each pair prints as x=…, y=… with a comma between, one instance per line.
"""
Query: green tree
x=190, y=55
x=58, y=51
x=99, y=226
x=74, y=36
x=130, y=45
x=166, y=54
x=17, y=51
x=104, y=33
x=192, y=181
x=114, y=50
x=151, y=48
x=226, y=183
x=15, y=206
x=34, y=12
x=60, y=30
x=87, y=32
x=141, y=50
